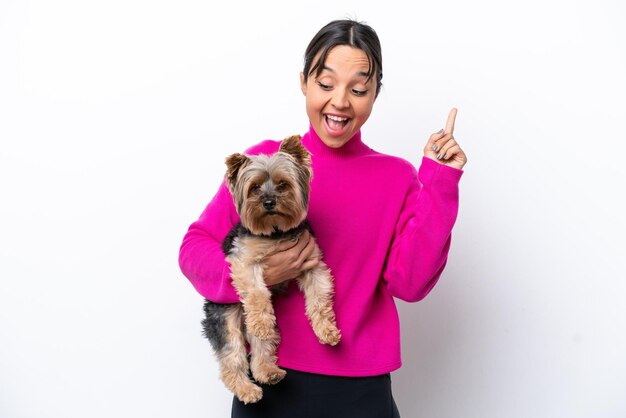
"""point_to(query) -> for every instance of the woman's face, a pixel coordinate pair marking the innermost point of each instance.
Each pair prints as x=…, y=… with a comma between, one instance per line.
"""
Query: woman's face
x=340, y=99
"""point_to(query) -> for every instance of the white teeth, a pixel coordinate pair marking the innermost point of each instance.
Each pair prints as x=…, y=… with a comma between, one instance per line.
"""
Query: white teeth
x=336, y=118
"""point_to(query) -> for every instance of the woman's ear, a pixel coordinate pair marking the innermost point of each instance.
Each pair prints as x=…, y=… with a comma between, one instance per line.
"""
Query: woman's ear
x=302, y=83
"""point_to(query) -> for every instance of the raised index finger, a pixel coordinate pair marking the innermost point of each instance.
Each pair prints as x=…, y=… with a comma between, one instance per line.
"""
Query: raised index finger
x=450, y=122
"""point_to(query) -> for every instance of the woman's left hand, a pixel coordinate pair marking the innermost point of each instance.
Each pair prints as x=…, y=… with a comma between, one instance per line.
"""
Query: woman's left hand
x=443, y=148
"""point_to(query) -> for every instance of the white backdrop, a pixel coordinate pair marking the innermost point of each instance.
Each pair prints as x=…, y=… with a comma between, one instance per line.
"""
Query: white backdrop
x=115, y=119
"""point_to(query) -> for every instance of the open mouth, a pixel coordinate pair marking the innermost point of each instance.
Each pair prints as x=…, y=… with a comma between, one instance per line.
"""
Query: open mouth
x=336, y=123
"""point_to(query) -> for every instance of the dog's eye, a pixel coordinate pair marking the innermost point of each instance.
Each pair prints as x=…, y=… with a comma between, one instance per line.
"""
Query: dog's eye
x=282, y=185
x=255, y=187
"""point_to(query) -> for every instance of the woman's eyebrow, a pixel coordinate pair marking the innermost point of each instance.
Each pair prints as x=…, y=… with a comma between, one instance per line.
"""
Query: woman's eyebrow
x=359, y=74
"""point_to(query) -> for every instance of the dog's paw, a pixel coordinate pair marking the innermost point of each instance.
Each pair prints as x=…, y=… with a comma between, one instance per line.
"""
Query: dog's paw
x=270, y=375
x=330, y=335
x=251, y=394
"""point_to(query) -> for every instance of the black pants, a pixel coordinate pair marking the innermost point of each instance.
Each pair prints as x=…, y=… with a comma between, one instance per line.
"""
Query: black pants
x=307, y=395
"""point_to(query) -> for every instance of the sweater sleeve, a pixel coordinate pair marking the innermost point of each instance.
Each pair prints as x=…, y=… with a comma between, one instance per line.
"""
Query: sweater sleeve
x=419, y=249
x=201, y=258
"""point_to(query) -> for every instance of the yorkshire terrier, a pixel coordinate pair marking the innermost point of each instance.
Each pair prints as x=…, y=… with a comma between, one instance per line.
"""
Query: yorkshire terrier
x=271, y=194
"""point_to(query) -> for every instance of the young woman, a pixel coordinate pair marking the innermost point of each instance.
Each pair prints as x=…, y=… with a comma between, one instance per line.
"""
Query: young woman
x=384, y=229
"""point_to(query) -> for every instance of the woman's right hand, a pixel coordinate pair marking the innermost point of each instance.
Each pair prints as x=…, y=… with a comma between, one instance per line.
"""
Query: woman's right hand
x=443, y=148
x=290, y=259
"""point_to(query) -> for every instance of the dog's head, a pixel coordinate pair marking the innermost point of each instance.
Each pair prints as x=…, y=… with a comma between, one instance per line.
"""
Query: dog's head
x=271, y=192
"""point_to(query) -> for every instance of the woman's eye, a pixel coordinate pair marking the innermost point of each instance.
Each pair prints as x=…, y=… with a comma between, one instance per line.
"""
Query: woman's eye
x=359, y=92
x=323, y=86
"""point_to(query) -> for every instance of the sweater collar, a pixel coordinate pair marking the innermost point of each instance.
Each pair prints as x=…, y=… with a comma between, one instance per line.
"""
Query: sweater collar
x=354, y=146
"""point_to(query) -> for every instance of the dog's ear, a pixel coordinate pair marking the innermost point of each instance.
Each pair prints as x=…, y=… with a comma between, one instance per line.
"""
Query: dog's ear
x=293, y=146
x=234, y=164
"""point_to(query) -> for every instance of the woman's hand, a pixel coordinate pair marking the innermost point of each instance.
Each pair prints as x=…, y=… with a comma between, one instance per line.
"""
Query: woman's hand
x=290, y=259
x=443, y=148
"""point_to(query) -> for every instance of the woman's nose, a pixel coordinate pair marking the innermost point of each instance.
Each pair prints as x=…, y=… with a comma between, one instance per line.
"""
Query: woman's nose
x=340, y=99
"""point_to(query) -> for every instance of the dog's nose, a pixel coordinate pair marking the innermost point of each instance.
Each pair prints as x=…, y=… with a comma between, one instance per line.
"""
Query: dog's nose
x=269, y=204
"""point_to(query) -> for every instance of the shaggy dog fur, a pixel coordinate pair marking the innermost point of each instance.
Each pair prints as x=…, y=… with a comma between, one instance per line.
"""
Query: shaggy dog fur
x=271, y=194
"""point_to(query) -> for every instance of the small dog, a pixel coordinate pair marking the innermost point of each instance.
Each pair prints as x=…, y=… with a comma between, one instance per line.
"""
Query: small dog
x=271, y=195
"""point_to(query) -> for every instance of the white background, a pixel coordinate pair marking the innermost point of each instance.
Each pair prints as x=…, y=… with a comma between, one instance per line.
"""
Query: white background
x=115, y=119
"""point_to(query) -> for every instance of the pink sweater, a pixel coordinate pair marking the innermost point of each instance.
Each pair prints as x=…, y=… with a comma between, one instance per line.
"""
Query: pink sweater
x=384, y=230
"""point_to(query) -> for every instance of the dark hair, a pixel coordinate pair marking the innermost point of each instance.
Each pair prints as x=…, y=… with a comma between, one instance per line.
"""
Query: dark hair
x=345, y=32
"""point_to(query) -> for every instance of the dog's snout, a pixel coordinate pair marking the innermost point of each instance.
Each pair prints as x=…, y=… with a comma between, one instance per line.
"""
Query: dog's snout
x=269, y=203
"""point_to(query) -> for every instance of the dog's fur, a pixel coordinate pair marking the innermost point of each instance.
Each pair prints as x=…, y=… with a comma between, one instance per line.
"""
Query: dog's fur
x=271, y=195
